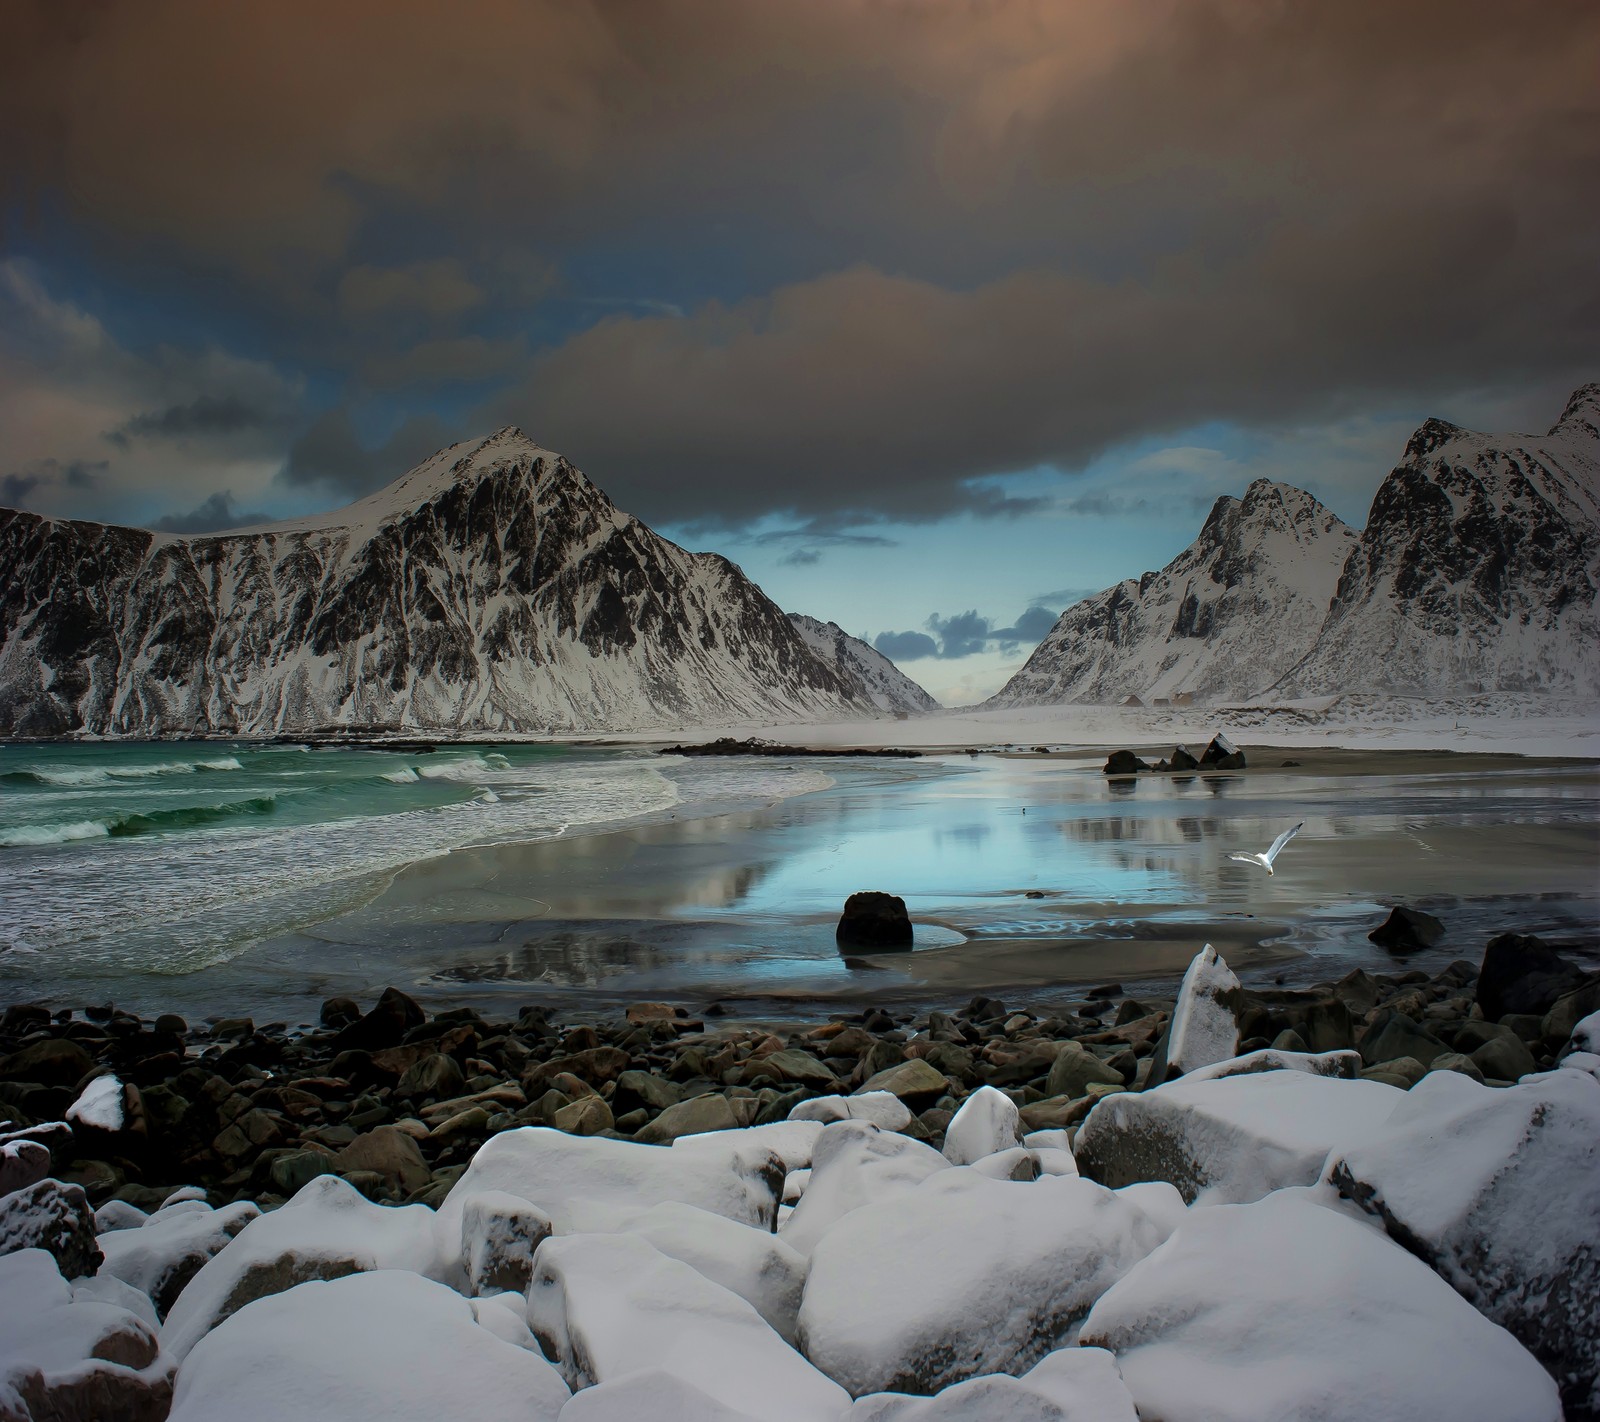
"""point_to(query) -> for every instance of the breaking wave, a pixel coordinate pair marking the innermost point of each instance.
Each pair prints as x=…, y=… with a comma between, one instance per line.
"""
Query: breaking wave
x=77, y=776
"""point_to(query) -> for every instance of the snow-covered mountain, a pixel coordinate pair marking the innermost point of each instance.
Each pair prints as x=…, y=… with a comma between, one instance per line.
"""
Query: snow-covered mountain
x=1226, y=617
x=1477, y=570
x=493, y=588
x=889, y=687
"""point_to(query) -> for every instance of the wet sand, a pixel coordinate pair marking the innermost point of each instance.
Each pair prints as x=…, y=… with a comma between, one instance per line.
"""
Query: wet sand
x=1031, y=873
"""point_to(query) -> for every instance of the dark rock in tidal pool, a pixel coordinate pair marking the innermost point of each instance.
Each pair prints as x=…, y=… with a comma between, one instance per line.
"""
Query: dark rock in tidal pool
x=1222, y=754
x=1522, y=973
x=876, y=921
x=54, y=1216
x=1182, y=760
x=1407, y=930
x=1124, y=762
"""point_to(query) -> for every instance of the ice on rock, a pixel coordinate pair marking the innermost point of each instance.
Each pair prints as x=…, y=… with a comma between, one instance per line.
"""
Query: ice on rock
x=386, y=1346
x=1205, y=1026
x=883, y=1108
x=986, y=1124
x=596, y=1183
x=651, y=1394
x=1234, y=1139
x=1499, y=1191
x=169, y=1248
x=963, y=1275
x=71, y=1356
x=1288, y=1310
x=1068, y=1385
x=99, y=1105
x=606, y=1306
x=327, y=1230
x=854, y=1164
x=764, y=1271
x=499, y=1234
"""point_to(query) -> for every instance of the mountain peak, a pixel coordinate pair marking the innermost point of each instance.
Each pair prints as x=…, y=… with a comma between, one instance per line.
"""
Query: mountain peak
x=1431, y=433
x=1582, y=415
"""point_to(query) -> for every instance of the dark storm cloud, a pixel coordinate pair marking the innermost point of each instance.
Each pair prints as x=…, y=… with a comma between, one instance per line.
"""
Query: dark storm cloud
x=801, y=558
x=905, y=646
x=330, y=454
x=216, y=514
x=944, y=239
x=79, y=474
x=206, y=415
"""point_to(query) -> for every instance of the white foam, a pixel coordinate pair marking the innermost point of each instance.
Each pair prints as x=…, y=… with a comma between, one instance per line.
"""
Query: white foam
x=21, y=836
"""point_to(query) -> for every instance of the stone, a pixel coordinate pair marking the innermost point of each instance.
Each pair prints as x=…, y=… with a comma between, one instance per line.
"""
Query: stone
x=699, y=1114
x=986, y=1124
x=1569, y=1010
x=1286, y=1308
x=1404, y=1072
x=1222, y=754
x=1504, y=1058
x=53, y=1216
x=1123, y=762
x=290, y=1172
x=1329, y=1027
x=386, y=1025
x=1204, y=1027
x=1233, y=1139
x=1499, y=1192
x=852, y=1164
x=388, y=1152
x=798, y=1067
x=500, y=1233
x=1068, y=1385
x=435, y=1075
x=1075, y=1069
x=963, y=1275
x=70, y=1354
x=587, y=1116
x=643, y=1088
x=22, y=1163
x=1392, y=1034
x=1407, y=930
x=54, y=1061
x=874, y=921
x=1182, y=759
x=884, y=1109
x=915, y=1083
x=1521, y=973
x=1454, y=1061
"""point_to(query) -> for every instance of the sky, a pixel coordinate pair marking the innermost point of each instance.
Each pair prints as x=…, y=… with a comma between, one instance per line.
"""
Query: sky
x=934, y=315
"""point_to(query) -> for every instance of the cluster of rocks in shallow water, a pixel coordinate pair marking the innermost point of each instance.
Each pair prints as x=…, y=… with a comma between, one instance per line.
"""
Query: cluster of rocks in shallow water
x=880, y=1207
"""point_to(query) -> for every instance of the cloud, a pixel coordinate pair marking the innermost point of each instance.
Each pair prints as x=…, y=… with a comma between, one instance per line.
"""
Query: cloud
x=801, y=558
x=1032, y=626
x=215, y=514
x=961, y=635
x=204, y=415
x=438, y=289
x=454, y=361
x=331, y=455
x=905, y=646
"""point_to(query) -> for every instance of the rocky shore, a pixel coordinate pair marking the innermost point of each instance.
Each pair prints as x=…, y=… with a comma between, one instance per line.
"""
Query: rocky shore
x=116, y=1127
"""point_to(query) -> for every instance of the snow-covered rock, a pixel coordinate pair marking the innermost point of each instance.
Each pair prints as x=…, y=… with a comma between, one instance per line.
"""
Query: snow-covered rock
x=1204, y=1027
x=118, y=1214
x=1478, y=569
x=593, y=1182
x=1068, y=1385
x=652, y=1394
x=987, y=1122
x=54, y=1216
x=99, y=1105
x=753, y=1263
x=1343, y=1063
x=67, y=1356
x=327, y=1230
x=963, y=1275
x=500, y=1234
x=22, y=1163
x=1499, y=1191
x=1586, y=1035
x=883, y=1108
x=493, y=588
x=171, y=1246
x=1287, y=1310
x=855, y=1163
x=889, y=688
x=605, y=1306
x=1232, y=1139
x=108, y=1289
x=385, y=1345
x=792, y=1141
x=1228, y=616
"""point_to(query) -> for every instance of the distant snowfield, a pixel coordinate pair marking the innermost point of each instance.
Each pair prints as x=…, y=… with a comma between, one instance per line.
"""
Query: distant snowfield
x=1506, y=723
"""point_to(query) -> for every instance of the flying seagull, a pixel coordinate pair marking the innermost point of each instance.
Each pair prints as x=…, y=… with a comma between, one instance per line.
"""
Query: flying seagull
x=1265, y=860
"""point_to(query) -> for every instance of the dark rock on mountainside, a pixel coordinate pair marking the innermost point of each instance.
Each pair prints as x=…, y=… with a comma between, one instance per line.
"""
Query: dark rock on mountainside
x=493, y=588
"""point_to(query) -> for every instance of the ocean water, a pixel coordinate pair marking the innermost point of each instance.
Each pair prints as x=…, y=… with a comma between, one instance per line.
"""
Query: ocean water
x=168, y=858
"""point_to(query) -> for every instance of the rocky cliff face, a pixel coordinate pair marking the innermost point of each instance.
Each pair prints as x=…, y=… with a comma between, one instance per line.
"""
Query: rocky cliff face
x=1478, y=569
x=1228, y=616
x=493, y=588
x=889, y=688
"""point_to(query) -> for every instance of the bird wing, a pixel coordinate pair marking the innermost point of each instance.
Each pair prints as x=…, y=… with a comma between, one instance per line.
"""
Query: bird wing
x=1282, y=840
x=1246, y=858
